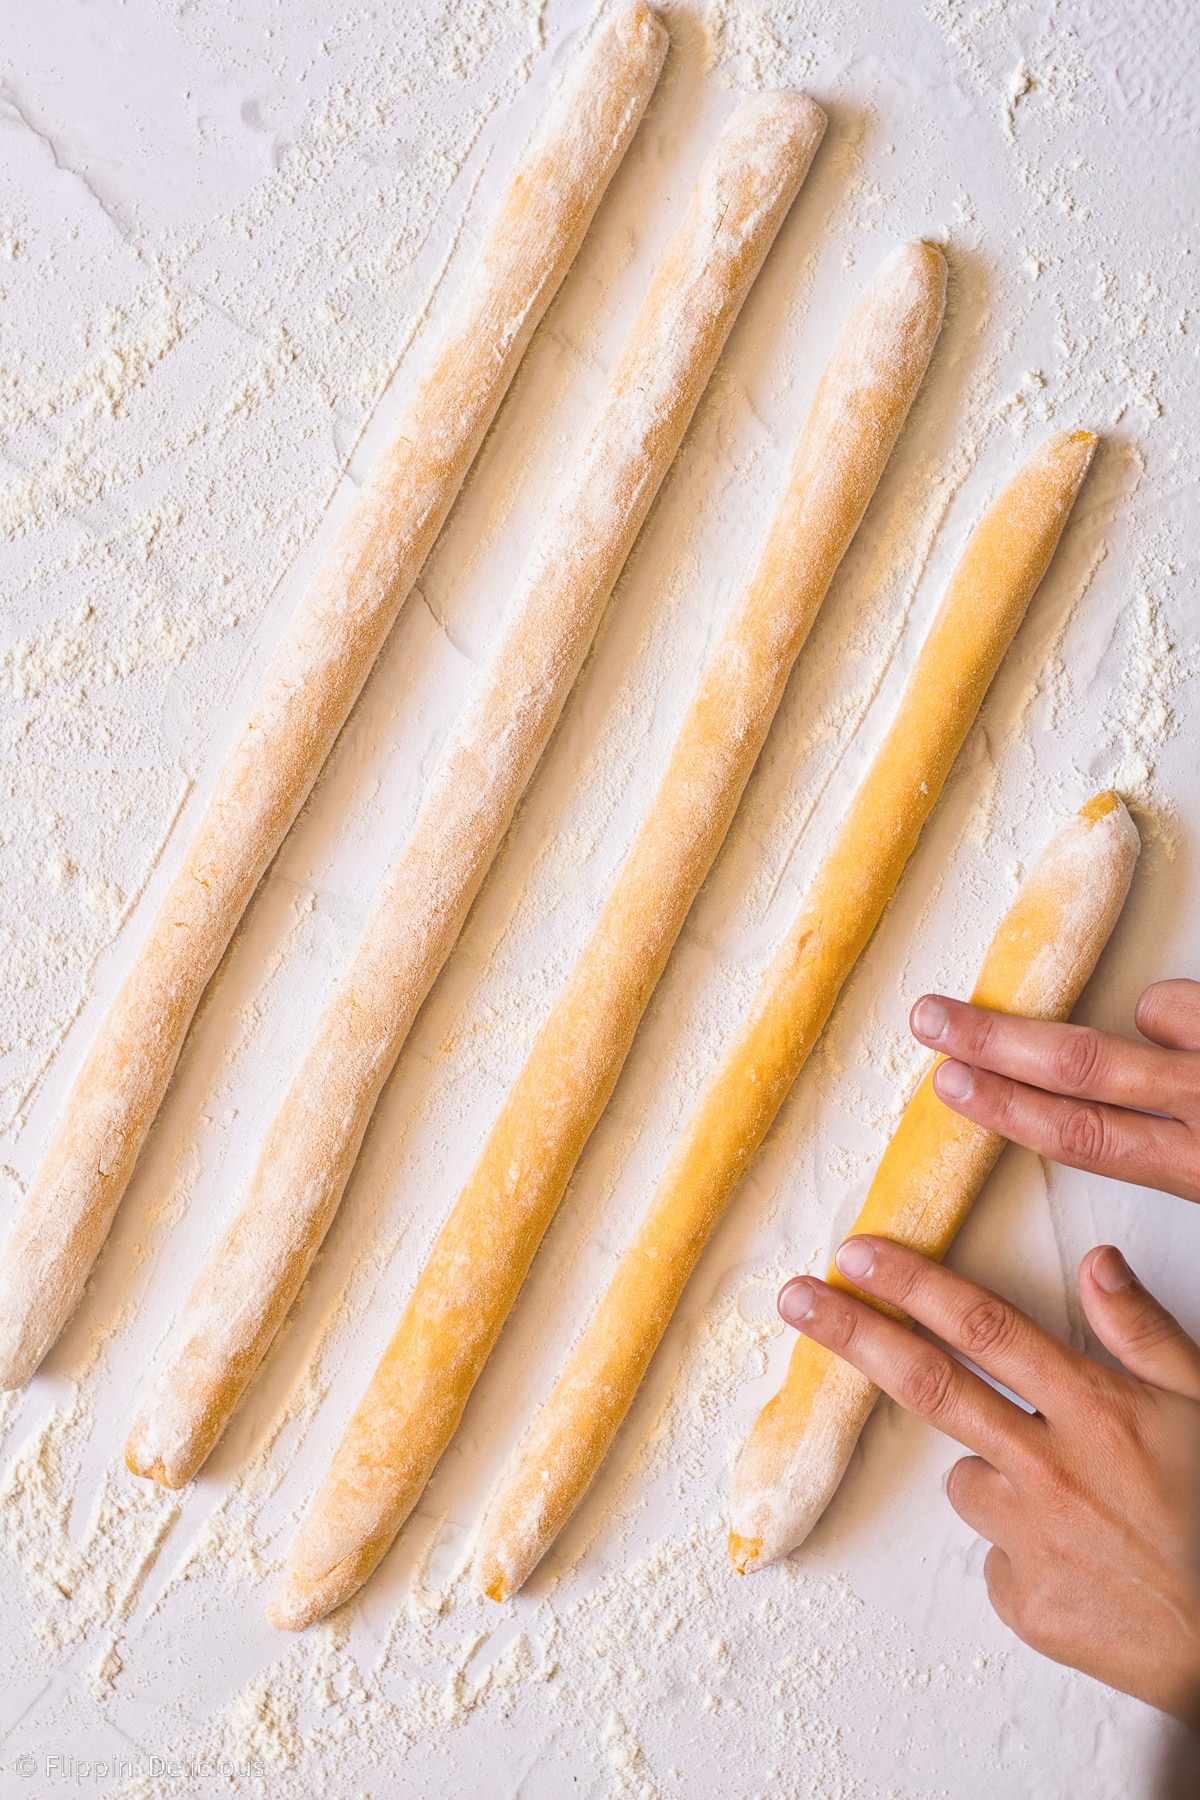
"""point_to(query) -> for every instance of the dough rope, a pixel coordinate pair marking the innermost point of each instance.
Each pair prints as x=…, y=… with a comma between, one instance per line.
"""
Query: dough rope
x=314, y=680
x=1001, y=566
x=1037, y=965
x=745, y=188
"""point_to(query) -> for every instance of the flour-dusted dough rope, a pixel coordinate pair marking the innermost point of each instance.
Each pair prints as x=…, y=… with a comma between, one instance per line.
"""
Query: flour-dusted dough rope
x=1037, y=965
x=1001, y=566
x=315, y=679
x=744, y=189
x=860, y=405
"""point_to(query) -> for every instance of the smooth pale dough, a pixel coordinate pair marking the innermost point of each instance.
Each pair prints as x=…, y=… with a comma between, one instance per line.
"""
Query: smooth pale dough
x=1037, y=965
x=314, y=680
x=745, y=187
x=1003, y=562
x=860, y=405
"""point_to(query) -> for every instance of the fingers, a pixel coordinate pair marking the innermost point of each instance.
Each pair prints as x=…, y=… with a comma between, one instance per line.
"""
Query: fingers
x=1131, y=1323
x=1001, y=1586
x=1168, y=1013
x=919, y=1376
x=997, y=1336
x=1105, y=1140
x=1062, y=1059
x=983, y=1498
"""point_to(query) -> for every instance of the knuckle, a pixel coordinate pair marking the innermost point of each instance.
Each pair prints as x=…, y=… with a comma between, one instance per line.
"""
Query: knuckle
x=840, y=1326
x=1009, y=1603
x=1105, y=1423
x=1019, y=1597
x=989, y=1325
x=1150, y=1328
x=1011, y=1111
x=926, y=1386
x=1026, y=1617
x=1077, y=1059
x=1094, y=1381
x=997, y=1572
x=962, y=1482
x=1172, y=1005
x=1083, y=1135
x=900, y=1276
x=985, y=1029
x=1057, y=1491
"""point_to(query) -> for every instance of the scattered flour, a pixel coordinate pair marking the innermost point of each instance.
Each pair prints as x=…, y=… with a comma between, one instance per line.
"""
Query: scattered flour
x=141, y=535
x=604, y=1669
x=179, y=398
x=87, y=1583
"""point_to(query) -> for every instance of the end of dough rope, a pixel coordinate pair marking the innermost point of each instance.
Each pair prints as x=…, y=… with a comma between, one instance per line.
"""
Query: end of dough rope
x=744, y=1552
x=298, y=1605
x=151, y=1468
x=493, y=1586
x=1101, y=805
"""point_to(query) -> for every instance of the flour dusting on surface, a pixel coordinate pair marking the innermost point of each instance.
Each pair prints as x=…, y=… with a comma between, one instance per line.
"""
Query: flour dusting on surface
x=225, y=242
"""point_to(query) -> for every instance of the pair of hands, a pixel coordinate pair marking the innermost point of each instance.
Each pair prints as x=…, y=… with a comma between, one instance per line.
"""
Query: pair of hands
x=1091, y=1504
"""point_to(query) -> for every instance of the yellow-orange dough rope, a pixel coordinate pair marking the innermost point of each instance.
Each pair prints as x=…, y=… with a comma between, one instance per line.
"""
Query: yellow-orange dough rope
x=1036, y=965
x=1003, y=562
x=314, y=680
x=744, y=189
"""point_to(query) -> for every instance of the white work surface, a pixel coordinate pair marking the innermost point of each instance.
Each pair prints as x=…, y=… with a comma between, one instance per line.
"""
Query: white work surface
x=228, y=235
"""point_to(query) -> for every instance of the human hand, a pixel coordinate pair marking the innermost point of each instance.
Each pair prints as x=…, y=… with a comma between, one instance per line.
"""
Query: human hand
x=1079, y=1096
x=1092, y=1504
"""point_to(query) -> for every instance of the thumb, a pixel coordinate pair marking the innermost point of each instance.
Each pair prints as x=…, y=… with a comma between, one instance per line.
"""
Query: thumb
x=1131, y=1323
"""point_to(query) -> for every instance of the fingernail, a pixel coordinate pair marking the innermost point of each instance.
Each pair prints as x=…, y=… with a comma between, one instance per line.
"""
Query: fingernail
x=795, y=1301
x=929, y=1019
x=1110, y=1271
x=954, y=1080
x=856, y=1258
